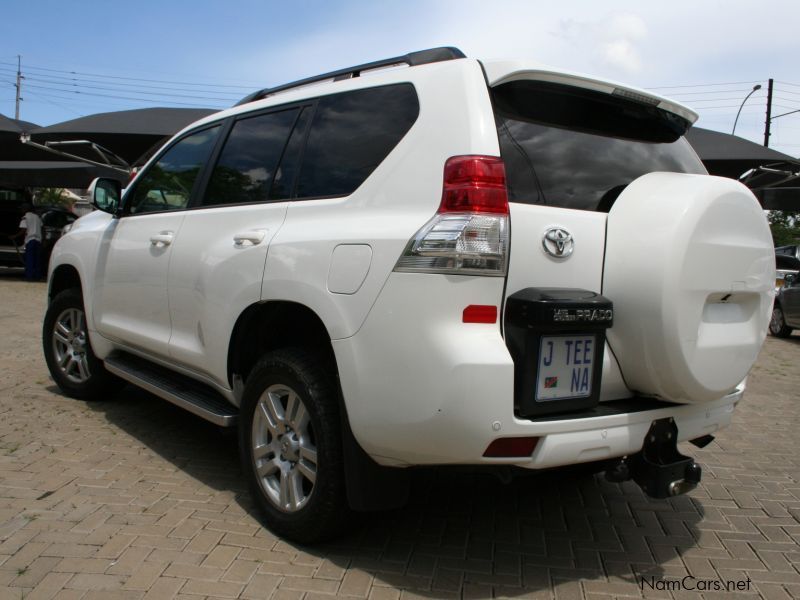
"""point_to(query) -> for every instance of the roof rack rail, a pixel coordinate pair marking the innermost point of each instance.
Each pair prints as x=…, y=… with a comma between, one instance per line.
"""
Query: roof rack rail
x=412, y=59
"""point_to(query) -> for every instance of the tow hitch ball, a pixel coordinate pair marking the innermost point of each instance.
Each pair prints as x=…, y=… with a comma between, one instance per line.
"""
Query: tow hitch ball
x=659, y=469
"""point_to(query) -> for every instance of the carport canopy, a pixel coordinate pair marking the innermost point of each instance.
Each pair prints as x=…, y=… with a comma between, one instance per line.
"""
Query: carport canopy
x=729, y=155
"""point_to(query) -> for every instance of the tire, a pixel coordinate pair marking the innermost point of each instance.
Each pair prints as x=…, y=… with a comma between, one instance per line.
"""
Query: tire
x=68, y=353
x=777, y=324
x=291, y=446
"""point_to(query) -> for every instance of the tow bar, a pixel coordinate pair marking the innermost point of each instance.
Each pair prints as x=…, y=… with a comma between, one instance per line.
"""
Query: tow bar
x=659, y=469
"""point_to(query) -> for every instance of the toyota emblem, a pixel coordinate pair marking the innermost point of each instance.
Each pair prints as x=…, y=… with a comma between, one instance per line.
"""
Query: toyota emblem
x=558, y=242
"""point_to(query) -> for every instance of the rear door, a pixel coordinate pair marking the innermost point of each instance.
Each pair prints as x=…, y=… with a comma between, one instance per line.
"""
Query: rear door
x=569, y=152
x=218, y=264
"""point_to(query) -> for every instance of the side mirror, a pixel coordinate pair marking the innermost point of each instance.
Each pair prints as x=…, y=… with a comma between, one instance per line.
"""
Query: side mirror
x=105, y=194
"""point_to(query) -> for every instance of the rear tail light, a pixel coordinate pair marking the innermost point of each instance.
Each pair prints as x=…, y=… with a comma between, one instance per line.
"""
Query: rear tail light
x=469, y=233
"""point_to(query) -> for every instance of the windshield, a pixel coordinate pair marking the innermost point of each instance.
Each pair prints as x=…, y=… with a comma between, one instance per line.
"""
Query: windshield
x=575, y=148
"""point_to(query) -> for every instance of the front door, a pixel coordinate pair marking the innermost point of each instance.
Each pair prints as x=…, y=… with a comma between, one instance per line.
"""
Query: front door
x=131, y=304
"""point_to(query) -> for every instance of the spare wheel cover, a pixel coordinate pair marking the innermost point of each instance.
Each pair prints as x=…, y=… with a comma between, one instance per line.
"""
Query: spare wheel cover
x=690, y=268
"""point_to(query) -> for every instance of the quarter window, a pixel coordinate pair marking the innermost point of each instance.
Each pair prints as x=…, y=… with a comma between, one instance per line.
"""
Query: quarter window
x=351, y=134
x=167, y=185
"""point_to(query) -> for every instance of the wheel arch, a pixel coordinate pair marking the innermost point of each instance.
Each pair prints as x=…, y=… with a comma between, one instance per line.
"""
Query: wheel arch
x=64, y=277
x=267, y=326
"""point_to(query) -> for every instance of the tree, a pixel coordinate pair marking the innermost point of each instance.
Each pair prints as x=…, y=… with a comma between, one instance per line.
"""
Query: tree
x=785, y=226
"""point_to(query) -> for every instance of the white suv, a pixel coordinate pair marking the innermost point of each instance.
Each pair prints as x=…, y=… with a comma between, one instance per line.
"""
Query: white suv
x=427, y=260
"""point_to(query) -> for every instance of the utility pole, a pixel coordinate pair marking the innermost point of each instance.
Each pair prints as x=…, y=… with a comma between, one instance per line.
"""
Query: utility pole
x=769, y=114
x=19, y=85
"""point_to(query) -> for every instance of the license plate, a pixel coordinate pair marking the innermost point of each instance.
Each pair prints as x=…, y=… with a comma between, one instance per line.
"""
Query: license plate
x=566, y=365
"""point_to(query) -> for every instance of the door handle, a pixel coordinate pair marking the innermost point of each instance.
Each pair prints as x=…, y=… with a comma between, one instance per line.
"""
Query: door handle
x=163, y=238
x=249, y=238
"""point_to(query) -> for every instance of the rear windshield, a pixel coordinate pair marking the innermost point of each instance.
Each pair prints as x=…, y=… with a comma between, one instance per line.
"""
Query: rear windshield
x=574, y=148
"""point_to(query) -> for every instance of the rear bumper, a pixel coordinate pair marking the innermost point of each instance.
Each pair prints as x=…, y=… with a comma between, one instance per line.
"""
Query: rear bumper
x=576, y=441
x=423, y=388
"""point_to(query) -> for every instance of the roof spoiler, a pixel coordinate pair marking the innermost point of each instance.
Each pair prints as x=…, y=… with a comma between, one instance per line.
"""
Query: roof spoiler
x=412, y=59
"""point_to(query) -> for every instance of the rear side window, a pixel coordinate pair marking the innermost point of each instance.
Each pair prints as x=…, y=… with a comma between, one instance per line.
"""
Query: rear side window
x=351, y=134
x=573, y=148
x=249, y=159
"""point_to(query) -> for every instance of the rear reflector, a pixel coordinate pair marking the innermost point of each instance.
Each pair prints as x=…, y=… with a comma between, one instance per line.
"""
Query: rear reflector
x=474, y=184
x=480, y=313
x=511, y=447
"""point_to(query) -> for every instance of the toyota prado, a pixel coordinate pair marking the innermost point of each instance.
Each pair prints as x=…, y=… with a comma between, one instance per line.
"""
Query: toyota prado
x=426, y=260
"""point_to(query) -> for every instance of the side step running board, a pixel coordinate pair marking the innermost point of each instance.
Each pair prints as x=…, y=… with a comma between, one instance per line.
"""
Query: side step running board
x=182, y=391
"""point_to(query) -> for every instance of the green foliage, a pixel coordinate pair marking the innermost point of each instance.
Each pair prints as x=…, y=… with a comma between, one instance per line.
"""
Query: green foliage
x=785, y=226
x=53, y=197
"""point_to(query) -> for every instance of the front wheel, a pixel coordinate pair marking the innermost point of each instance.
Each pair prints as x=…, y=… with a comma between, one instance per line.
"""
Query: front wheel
x=68, y=353
x=291, y=447
x=777, y=324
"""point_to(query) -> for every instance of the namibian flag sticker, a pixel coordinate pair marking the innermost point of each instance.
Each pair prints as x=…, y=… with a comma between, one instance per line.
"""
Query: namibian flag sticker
x=550, y=382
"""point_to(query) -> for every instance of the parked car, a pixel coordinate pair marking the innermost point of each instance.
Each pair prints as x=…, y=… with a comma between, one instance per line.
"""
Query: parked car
x=791, y=250
x=460, y=262
x=785, y=265
x=786, y=309
x=54, y=219
x=11, y=200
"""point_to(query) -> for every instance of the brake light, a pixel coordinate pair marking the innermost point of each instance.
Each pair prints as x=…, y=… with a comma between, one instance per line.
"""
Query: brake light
x=469, y=233
x=474, y=184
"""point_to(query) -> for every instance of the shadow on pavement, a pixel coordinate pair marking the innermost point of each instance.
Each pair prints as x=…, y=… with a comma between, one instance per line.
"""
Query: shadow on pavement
x=463, y=532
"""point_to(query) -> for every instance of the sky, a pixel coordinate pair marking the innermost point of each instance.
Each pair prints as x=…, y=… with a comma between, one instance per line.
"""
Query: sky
x=88, y=56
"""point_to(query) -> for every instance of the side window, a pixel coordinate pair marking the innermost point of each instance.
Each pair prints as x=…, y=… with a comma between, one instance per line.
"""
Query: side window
x=247, y=164
x=351, y=134
x=167, y=185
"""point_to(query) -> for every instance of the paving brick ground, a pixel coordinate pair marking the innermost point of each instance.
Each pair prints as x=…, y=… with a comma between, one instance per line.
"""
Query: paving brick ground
x=133, y=498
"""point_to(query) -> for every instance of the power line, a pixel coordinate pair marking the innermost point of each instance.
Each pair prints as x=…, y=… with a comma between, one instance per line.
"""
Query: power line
x=711, y=92
x=717, y=100
x=61, y=106
x=33, y=68
x=95, y=94
x=697, y=85
x=787, y=99
x=65, y=87
x=56, y=80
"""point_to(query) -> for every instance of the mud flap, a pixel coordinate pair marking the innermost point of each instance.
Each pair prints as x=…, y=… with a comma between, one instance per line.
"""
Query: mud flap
x=659, y=469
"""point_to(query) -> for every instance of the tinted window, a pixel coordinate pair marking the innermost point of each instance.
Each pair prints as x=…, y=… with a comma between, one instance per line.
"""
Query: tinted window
x=248, y=161
x=350, y=136
x=12, y=196
x=579, y=149
x=167, y=185
x=283, y=184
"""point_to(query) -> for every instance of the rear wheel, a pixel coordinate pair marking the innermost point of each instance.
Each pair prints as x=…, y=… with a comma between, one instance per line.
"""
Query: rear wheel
x=777, y=324
x=291, y=447
x=68, y=353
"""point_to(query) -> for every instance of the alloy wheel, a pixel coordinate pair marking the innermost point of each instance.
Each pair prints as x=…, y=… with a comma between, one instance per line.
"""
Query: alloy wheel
x=70, y=344
x=283, y=448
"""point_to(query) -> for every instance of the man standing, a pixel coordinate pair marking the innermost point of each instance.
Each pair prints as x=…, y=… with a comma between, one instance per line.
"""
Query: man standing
x=31, y=228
